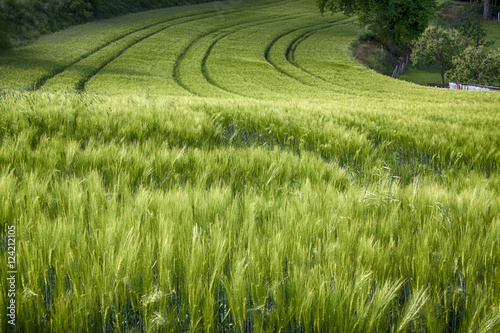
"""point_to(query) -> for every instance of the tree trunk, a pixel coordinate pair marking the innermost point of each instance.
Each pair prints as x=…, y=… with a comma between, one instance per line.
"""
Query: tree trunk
x=487, y=10
x=442, y=72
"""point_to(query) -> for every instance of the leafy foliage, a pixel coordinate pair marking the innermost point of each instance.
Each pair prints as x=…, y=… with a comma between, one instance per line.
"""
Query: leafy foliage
x=4, y=40
x=374, y=55
x=438, y=44
x=472, y=28
x=466, y=20
x=396, y=21
x=476, y=67
x=446, y=46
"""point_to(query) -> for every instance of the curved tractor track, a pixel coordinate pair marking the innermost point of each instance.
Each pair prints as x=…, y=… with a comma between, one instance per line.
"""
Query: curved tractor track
x=204, y=69
x=218, y=34
x=292, y=47
x=42, y=81
x=189, y=68
x=119, y=45
x=281, y=69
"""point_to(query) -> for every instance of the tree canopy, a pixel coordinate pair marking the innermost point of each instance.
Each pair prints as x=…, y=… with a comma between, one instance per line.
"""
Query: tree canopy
x=398, y=22
x=476, y=67
x=472, y=28
x=438, y=44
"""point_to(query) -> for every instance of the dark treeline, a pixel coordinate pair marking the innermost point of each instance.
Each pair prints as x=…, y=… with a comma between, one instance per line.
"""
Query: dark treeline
x=23, y=20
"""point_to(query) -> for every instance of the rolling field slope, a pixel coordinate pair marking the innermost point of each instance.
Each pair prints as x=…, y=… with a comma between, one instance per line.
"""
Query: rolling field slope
x=229, y=167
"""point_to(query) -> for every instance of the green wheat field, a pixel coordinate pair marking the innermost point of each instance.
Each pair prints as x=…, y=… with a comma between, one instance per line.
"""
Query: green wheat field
x=230, y=167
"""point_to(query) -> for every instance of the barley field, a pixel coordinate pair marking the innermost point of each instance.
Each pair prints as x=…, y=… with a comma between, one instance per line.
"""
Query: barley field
x=230, y=167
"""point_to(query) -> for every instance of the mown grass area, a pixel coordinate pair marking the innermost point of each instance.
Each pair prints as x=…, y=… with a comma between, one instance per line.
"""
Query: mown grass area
x=493, y=29
x=234, y=169
x=423, y=75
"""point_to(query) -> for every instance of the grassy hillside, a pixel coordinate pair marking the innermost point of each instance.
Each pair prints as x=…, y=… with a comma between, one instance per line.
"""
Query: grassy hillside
x=230, y=167
x=21, y=21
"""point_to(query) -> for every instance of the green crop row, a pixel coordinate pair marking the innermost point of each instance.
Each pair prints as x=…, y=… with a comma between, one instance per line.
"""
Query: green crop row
x=21, y=21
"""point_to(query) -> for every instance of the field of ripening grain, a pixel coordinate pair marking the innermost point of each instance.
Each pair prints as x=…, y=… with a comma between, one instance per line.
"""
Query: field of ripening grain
x=229, y=167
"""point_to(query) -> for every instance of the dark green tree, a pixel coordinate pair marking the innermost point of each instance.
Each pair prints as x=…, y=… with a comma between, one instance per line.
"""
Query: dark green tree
x=398, y=22
x=476, y=67
x=4, y=38
x=472, y=28
x=440, y=45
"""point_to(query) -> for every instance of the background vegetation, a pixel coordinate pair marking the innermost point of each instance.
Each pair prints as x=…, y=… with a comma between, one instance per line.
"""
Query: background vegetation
x=466, y=19
x=395, y=23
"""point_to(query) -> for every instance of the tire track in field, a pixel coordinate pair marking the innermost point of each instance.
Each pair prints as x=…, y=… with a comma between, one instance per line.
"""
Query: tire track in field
x=292, y=47
x=266, y=52
x=80, y=85
x=176, y=73
x=39, y=83
x=208, y=14
x=275, y=40
x=204, y=69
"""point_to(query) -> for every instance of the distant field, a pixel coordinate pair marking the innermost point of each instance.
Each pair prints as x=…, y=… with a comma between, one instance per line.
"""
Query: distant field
x=230, y=167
